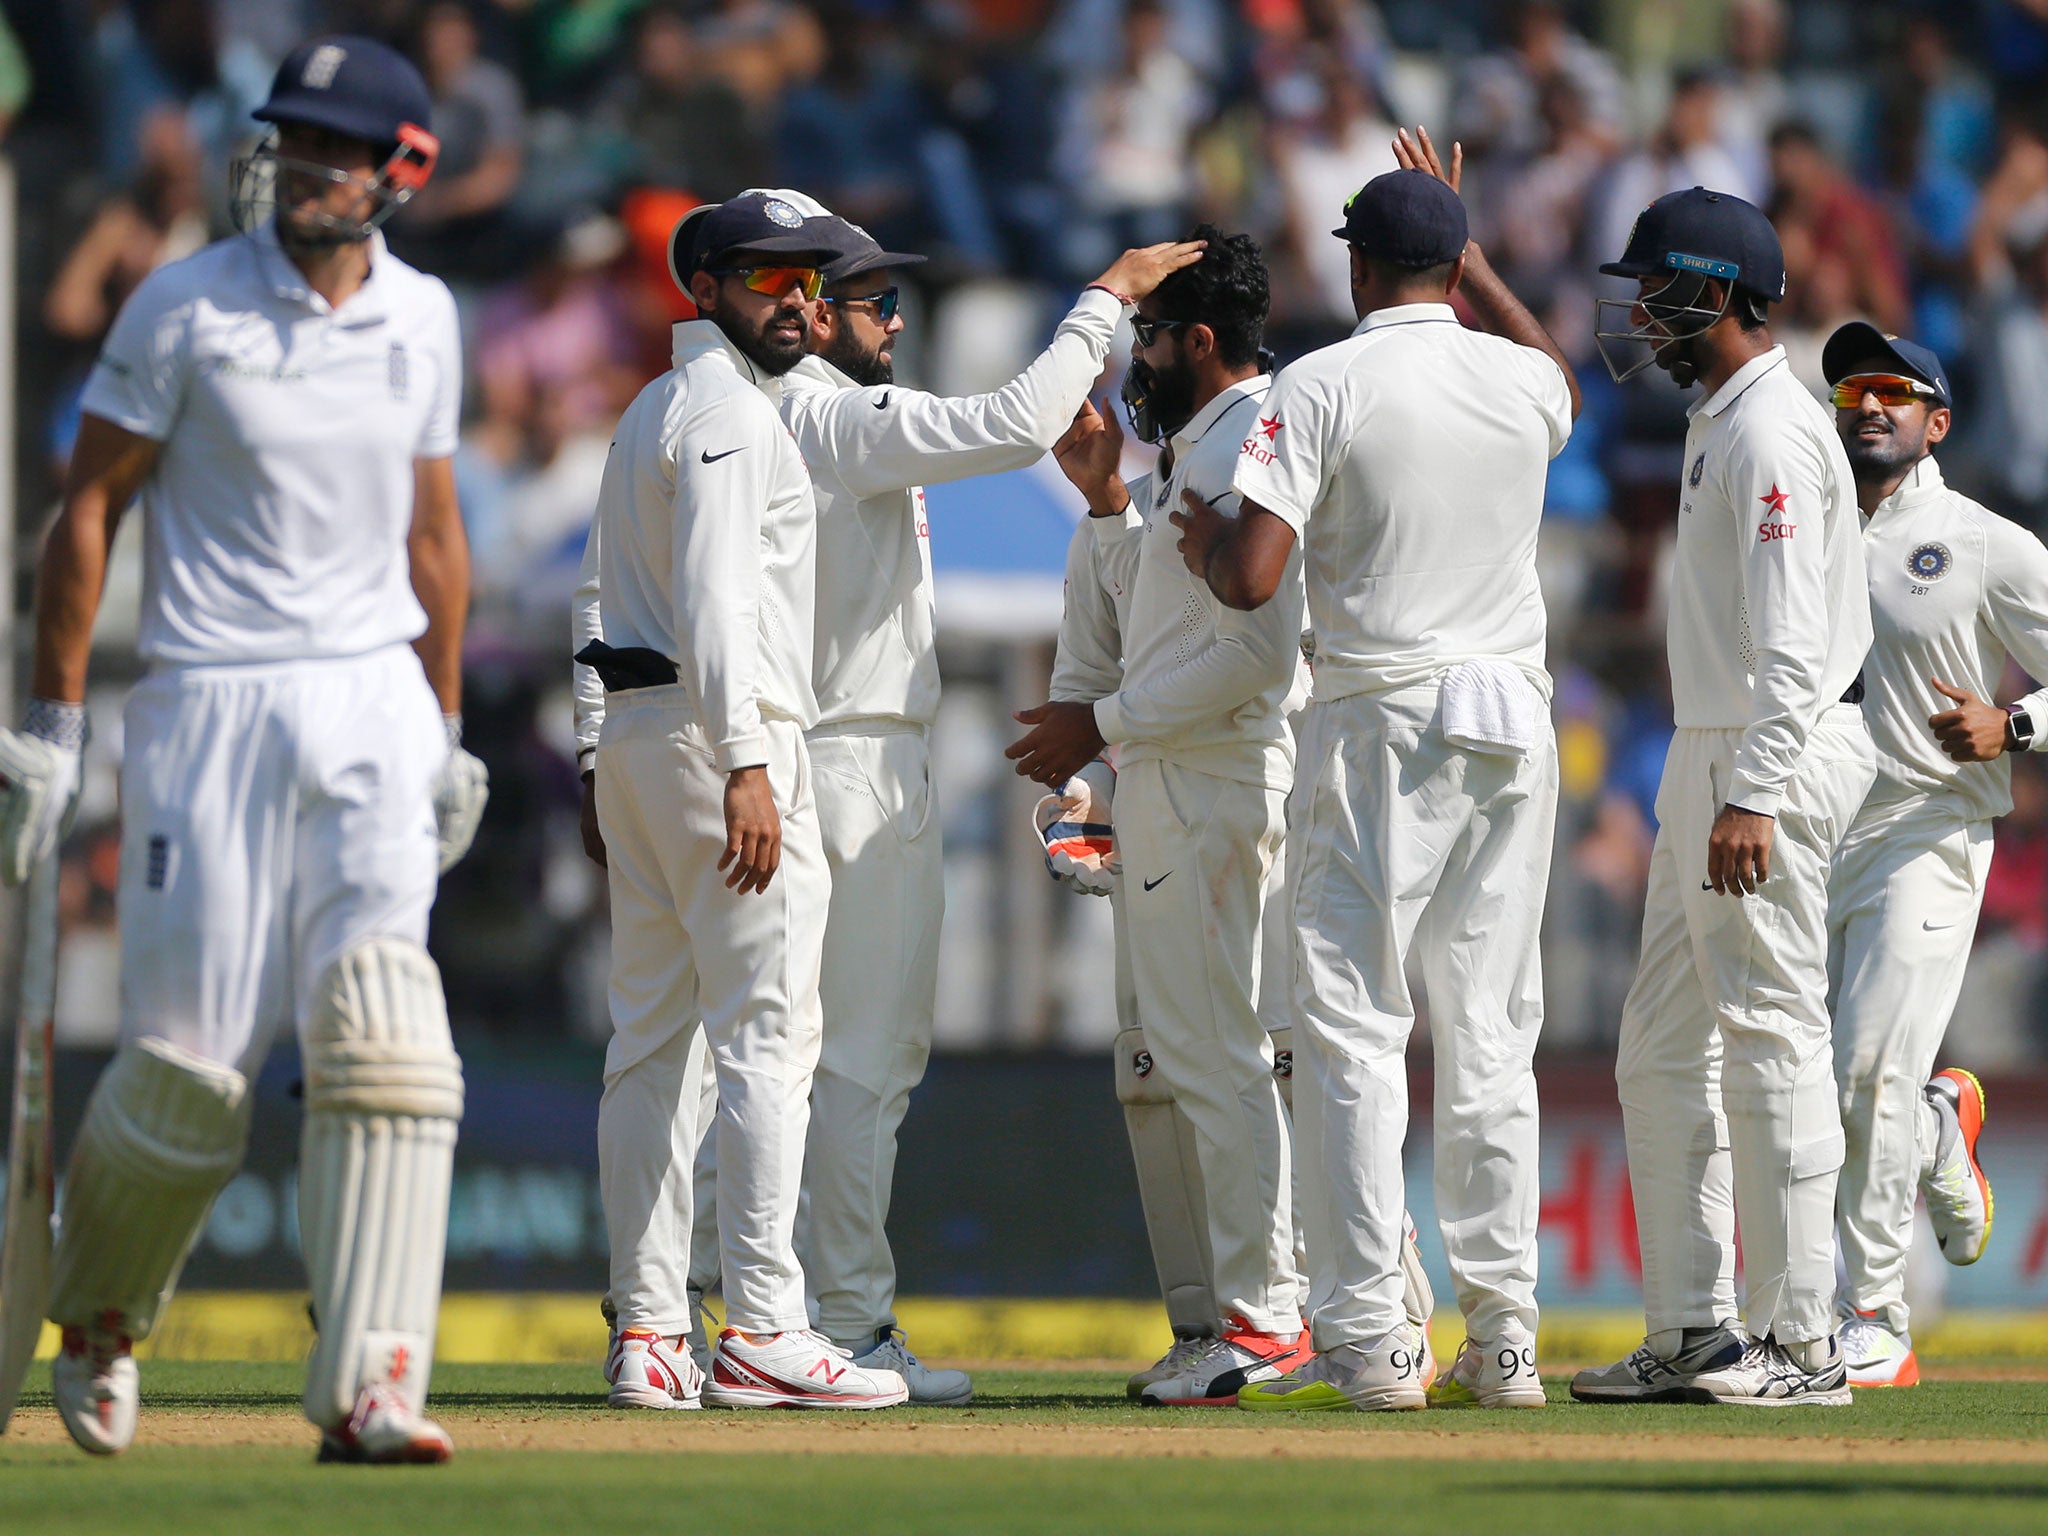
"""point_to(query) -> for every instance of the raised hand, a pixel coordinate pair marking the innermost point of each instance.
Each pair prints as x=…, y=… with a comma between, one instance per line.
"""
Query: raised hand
x=1418, y=154
x=1089, y=454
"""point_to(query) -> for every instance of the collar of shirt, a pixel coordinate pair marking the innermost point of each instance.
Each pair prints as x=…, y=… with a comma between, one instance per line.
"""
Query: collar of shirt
x=1199, y=424
x=1921, y=485
x=1738, y=381
x=695, y=338
x=364, y=306
x=1406, y=314
x=818, y=371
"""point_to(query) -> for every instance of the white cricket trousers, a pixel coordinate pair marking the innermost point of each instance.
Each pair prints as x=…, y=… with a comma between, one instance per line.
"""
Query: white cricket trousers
x=1198, y=853
x=273, y=816
x=1726, y=1080
x=1400, y=843
x=872, y=782
x=698, y=967
x=1901, y=915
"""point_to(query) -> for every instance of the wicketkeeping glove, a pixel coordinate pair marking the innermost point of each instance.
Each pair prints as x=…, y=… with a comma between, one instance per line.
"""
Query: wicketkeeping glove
x=41, y=767
x=1075, y=826
x=460, y=795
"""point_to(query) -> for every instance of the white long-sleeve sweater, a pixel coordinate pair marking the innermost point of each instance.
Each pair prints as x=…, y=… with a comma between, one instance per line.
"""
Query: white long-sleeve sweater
x=703, y=546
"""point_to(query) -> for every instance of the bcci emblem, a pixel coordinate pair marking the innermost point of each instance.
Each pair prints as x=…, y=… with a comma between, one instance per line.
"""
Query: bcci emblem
x=400, y=371
x=1699, y=467
x=1930, y=562
x=779, y=212
x=1141, y=1064
x=1283, y=1066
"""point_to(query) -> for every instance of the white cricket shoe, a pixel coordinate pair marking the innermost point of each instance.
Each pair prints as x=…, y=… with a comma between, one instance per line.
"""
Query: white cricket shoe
x=1185, y=1348
x=935, y=1388
x=1650, y=1376
x=796, y=1369
x=1768, y=1376
x=1382, y=1376
x=384, y=1431
x=1874, y=1355
x=645, y=1371
x=97, y=1389
x=1958, y=1194
x=1213, y=1377
x=1497, y=1374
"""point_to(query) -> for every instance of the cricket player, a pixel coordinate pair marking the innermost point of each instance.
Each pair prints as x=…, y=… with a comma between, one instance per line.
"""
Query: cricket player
x=705, y=532
x=1725, y=1073
x=1199, y=718
x=285, y=402
x=1954, y=590
x=1196, y=382
x=871, y=445
x=1408, y=464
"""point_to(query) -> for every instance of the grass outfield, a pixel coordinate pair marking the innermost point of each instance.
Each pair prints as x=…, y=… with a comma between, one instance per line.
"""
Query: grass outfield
x=222, y=1450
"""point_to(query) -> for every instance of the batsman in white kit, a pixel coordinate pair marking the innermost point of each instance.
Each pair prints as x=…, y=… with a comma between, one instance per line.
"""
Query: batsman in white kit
x=1954, y=590
x=871, y=445
x=1408, y=464
x=285, y=402
x=1196, y=701
x=1725, y=1069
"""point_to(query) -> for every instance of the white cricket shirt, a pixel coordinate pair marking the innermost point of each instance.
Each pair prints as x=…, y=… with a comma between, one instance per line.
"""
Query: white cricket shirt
x=1954, y=590
x=1410, y=461
x=1770, y=612
x=275, y=521
x=1203, y=685
x=703, y=544
x=871, y=451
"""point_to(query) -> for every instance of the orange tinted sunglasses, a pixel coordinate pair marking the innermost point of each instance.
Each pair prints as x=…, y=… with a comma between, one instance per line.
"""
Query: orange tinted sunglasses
x=774, y=282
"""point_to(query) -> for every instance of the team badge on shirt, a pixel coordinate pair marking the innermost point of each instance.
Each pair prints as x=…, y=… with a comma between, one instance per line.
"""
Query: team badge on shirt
x=400, y=371
x=1699, y=467
x=1930, y=562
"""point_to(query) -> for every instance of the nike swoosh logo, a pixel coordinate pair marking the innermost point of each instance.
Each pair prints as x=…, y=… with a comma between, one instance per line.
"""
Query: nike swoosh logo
x=1160, y=881
x=712, y=458
x=882, y=404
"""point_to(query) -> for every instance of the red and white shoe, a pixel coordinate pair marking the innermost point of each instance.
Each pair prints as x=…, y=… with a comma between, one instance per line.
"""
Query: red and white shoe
x=97, y=1388
x=646, y=1371
x=1214, y=1377
x=384, y=1431
x=796, y=1369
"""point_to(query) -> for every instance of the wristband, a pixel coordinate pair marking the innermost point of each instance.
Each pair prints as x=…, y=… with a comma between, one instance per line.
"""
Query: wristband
x=62, y=725
x=452, y=724
x=1122, y=298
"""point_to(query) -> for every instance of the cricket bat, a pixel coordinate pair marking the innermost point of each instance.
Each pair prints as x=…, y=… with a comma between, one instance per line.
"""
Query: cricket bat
x=31, y=1149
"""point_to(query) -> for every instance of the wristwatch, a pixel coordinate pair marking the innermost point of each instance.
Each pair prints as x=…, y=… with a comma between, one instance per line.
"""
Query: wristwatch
x=2019, y=728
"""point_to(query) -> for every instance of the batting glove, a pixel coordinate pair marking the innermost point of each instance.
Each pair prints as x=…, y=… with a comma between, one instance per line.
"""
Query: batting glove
x=1074, y=825
x=41, y=768
x=460, y=795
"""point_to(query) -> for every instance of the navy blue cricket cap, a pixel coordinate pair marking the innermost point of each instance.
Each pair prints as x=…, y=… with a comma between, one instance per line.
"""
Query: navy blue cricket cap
x=1406, y=218
x=1859, y=342
x=756, y=222
x=856, y=251
x=349, y=85
x=1715, y=234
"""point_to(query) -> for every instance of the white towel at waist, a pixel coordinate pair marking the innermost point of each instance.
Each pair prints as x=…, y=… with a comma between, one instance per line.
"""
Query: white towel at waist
x=1491, y=706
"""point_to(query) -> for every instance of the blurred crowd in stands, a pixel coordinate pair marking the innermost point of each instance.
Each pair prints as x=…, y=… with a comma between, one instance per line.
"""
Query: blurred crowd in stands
x=1902, y=149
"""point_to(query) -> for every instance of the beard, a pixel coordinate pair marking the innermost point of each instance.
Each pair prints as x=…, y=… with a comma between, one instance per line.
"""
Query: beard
x=773, y=354
x=1168, y=396
x=864, y=365
x=1875, y=458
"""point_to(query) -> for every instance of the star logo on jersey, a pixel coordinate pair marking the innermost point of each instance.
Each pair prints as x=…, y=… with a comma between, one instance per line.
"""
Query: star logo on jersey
x=1930, y=562
x=1775, y=499
x=1269, y=427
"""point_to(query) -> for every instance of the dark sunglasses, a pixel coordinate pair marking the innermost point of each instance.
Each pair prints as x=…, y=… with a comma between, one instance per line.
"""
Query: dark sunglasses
x=886, y=303
x=1147, y=331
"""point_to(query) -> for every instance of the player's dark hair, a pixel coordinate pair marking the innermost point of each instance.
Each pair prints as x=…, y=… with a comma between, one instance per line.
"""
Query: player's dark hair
x=1431, y=279
x=1226, y=290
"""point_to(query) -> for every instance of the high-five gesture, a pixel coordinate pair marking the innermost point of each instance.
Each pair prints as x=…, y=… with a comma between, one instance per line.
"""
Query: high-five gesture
x=1418, y=154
